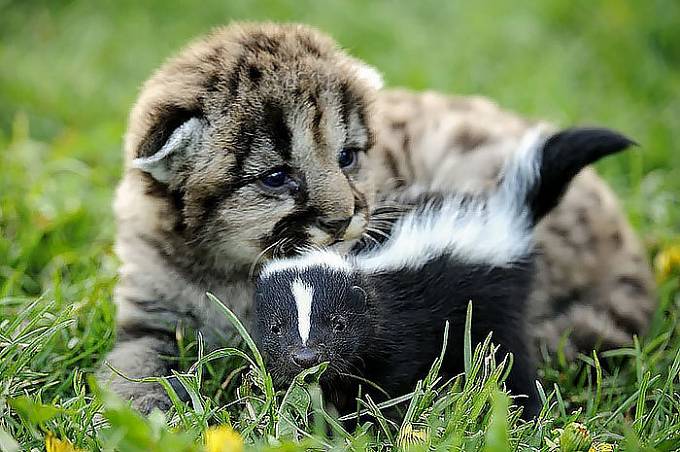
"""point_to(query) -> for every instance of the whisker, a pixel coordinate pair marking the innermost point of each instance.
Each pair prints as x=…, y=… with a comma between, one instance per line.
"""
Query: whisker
x=390, y=214
x=309, y=247
x=384, y=224
x=305, y=248
x=251, y=272
x=279, y=251
x=379, y=232
x=387, y=204
x=368, y=236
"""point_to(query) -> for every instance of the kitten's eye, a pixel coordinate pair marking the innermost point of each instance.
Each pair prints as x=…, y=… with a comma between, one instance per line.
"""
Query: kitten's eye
x=347, y=157
x=275, y=329
x=339, y=324
x=275, y=179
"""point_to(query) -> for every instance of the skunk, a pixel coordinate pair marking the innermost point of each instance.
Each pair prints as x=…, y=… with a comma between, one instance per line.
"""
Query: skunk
x=380, y=314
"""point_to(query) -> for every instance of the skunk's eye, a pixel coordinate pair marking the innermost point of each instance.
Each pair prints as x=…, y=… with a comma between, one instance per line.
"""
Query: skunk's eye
x=275, y=328
x=339, y=324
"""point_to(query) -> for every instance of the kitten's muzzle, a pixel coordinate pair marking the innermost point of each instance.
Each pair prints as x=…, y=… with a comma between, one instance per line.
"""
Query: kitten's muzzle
x=305, y=357
x=336, y=227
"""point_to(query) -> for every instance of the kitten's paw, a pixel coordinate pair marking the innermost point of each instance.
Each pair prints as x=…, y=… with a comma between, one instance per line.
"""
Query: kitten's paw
x=145, y=403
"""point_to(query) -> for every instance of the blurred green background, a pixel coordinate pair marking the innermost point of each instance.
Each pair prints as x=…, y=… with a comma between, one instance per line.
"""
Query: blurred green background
x=70, y=70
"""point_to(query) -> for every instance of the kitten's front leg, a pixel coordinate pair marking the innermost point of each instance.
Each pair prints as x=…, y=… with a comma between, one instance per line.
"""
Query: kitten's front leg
x=139, y=357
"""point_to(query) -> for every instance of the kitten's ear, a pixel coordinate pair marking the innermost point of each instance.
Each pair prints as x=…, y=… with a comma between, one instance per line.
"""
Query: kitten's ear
x=168, y=144
x=562, y=156
x=366, y=73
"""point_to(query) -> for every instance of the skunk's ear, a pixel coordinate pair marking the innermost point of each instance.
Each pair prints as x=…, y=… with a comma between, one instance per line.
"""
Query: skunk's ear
x=562, y=156
x=358, y=300
x=167, y=146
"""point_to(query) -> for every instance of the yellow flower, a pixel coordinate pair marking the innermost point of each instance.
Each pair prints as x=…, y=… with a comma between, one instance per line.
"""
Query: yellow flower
x=575, y=437
x=666, y=261
x=602, y=447
x=54, y=444
x=223, y=439
x=409, y=437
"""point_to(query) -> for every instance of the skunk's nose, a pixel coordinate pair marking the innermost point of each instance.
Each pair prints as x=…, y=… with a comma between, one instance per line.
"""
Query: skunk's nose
x=334, y=226
x=305, y=357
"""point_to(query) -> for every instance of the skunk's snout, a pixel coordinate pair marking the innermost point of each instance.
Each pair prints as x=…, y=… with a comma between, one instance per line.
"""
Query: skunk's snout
x=305, y=357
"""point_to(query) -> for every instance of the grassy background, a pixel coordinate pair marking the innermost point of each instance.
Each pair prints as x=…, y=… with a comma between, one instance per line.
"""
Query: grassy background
x=70, y=70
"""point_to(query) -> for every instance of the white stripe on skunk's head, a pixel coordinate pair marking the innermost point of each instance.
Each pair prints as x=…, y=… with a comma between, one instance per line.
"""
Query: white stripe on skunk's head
x=497, y=228
x=303, y=294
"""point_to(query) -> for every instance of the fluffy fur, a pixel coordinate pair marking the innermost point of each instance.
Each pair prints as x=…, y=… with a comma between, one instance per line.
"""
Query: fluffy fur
x=381, y=315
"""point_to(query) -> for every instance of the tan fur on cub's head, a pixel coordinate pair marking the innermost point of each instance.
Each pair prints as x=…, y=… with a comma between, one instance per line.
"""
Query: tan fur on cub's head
x=251, y=139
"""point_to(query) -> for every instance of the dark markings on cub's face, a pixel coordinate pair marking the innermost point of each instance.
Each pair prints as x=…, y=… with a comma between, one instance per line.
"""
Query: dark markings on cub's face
x=351, y=104
x=254, y=74
x=313, y=104
x=265, y=143
x=274, y=123
x=261, y=43
x=268, y=132
x=240, y=149
x=291, y=227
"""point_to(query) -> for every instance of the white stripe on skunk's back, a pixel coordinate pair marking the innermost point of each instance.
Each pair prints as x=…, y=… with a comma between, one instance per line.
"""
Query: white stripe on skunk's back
x=303, y=294
x=494, y=230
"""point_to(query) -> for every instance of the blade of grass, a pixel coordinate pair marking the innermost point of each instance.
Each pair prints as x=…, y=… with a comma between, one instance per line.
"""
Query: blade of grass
x=467, y=340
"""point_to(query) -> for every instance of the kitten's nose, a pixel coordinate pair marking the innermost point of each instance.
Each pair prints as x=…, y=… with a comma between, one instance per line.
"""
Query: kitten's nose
x=334, y=226
x=305, y=357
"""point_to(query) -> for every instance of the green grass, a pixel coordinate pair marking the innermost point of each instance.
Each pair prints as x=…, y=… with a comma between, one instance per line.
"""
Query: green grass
x=69, y=72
